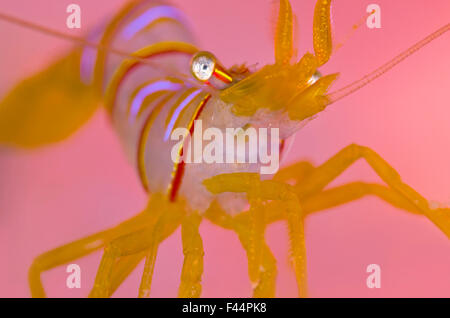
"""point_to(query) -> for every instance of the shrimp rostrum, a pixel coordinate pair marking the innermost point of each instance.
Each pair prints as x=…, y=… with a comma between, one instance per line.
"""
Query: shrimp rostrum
x=154, y=89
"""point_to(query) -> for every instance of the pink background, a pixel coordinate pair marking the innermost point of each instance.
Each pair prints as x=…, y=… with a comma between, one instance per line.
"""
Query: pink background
x=58, y=194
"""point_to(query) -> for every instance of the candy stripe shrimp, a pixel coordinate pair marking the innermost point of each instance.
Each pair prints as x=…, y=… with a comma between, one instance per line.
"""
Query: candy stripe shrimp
x=144, y=67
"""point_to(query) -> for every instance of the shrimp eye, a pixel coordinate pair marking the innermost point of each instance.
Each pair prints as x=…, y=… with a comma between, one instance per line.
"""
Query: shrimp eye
x=203, y=65
x=206, y=69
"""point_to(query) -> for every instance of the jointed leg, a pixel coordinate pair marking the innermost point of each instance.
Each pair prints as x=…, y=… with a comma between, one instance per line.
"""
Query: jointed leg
x=190, y=286
x=337, y=196
x=295, y=172
x=125, y=265
x=147, y=239
x=270, y=190
x=410, y=199
x=353, y=191
x=123, y=268
x=266, y=271
x=79, y=248
x=126, y=245
x=240, y=224
x=169, y=222
x=309, y=187
x=149, y=266
x=318, y=202
x=256, y=231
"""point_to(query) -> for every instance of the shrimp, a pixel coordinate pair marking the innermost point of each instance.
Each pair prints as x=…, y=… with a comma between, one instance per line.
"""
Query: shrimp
x=152, y=85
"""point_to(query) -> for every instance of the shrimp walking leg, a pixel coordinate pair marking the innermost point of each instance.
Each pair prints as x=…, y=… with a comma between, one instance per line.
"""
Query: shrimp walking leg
x=126, y=245
x=265, y=287
x=403, y=194
x=125, y=265
x=74, y=250
x=311, y=204
x=251, y=184
x=352, y=192
x=356, y=190
x=123, y=269
x=191, y=275
x=146, y=240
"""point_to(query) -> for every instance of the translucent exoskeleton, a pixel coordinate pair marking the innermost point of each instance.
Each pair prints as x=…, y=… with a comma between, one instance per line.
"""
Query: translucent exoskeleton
x=146, y=69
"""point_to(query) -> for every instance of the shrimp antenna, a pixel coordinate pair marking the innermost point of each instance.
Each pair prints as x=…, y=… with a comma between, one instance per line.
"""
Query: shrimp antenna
x=355, y=27
x=353, y=87
x=82, y=41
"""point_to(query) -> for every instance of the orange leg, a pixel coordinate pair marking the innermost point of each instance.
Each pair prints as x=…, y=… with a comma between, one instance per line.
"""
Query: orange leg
x=146, y=240
x=80, y=248
x=400, y=194
x=269, y=190
x=265, y=286
x=190, y=285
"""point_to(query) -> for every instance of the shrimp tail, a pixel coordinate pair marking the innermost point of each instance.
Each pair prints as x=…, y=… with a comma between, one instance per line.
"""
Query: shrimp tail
x=47, y=107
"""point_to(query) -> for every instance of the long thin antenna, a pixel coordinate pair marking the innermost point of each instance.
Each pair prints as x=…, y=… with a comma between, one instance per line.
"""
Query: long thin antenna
x=82, y=41
x=355, y=27
x=353, y=87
